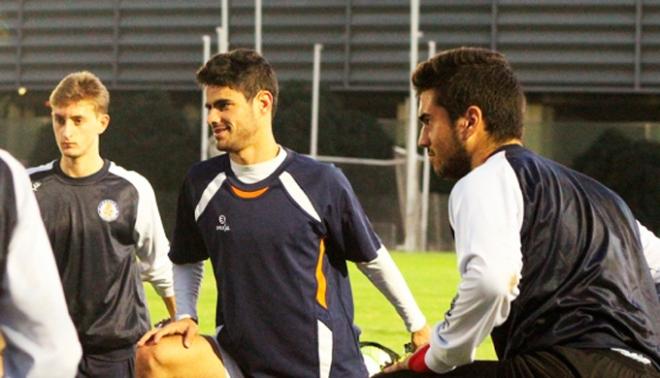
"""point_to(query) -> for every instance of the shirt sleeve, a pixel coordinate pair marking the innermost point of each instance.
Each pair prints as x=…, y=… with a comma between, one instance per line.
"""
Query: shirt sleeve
x=152, y=245
x=350, y=230
x=386, y=276
x=40, y=336
x=187, y=281
x=651, y=247
x=187, y=243
x=486, y=213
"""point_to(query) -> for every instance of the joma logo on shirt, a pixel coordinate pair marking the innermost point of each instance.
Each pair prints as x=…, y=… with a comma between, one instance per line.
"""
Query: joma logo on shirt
x=222, y=224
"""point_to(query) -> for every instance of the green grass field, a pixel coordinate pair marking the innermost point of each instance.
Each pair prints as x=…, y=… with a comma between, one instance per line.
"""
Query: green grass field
x=432, y=277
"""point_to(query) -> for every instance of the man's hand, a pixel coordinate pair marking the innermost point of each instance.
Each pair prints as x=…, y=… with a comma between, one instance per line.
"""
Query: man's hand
x=399, y=365
x=420, y=337
x=186, y=327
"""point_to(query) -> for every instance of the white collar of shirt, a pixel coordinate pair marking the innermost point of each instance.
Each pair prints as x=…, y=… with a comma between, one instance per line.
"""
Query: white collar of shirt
x=250, y=174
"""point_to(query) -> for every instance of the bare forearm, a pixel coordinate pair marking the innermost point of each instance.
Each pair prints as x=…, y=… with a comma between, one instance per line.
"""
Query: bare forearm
x=170, y=304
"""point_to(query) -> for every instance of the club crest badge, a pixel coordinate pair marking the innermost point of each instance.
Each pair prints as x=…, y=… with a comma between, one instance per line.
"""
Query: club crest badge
x=108, y=210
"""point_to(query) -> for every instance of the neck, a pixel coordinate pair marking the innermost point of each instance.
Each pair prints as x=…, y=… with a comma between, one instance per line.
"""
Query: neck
x=81, y=167
x=263, y=149
x=483, y=153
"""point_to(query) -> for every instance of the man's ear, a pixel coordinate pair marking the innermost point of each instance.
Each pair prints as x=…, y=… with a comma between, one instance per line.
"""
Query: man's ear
x=104, y=120
x=470, y=122
x=264, y=101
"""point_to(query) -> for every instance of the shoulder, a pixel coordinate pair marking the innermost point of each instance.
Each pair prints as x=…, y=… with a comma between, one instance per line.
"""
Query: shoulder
x=14, y=181
x=9, y=167
x=40, y=171
x=324, y=184
x=497, y=169
x=134, y=179
x=309, y=171
x=206, y=170
x=131, y=176
x=492, y=188
x=7, y=164
x=534, y=171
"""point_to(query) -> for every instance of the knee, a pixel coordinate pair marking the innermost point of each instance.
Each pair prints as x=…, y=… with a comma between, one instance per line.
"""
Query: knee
x=155, y=360
x=145, y=362
x=169, y=358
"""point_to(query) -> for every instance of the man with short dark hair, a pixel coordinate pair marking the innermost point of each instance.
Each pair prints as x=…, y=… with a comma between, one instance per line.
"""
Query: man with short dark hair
x=553, y=264
x=279, y=228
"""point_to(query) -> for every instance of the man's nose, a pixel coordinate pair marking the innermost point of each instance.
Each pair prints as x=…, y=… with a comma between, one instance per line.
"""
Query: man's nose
x=423, y=140
x=213, y=117
x=67, y=129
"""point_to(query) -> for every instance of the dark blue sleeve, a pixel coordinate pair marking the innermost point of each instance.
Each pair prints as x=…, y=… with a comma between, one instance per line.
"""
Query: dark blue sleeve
x=349, y=229
x=187, y=243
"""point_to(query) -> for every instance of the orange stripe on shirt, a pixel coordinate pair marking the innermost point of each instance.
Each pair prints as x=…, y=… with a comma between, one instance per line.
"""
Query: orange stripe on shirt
x=321, y=282
x=248, y=195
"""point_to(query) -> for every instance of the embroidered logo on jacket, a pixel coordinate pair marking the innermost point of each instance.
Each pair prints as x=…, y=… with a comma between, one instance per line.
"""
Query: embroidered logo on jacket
x=36, y=185
x=222, y=224
x=108, y=210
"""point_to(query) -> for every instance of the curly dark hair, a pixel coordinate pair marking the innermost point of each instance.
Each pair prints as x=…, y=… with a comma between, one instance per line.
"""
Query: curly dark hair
x=468, y=76
x=243, y=70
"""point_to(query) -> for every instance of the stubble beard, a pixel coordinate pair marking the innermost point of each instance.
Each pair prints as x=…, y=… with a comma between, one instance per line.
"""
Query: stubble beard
x=458, y=164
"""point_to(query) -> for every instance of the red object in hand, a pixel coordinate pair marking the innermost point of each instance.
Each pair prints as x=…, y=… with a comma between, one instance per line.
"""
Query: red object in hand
x=417, y=363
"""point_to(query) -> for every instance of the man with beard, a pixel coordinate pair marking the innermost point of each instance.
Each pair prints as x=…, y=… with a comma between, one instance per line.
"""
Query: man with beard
x=553, y=264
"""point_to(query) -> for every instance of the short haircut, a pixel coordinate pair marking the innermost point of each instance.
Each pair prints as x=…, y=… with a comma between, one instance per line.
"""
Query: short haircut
x=242, y=70
x=468, y=76
x=78, y=86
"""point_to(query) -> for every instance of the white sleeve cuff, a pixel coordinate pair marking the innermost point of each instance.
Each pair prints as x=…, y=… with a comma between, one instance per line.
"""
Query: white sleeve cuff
x=436, y=356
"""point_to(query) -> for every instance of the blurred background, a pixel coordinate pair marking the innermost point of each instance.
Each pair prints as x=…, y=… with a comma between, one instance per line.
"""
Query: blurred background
x=590, y=69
